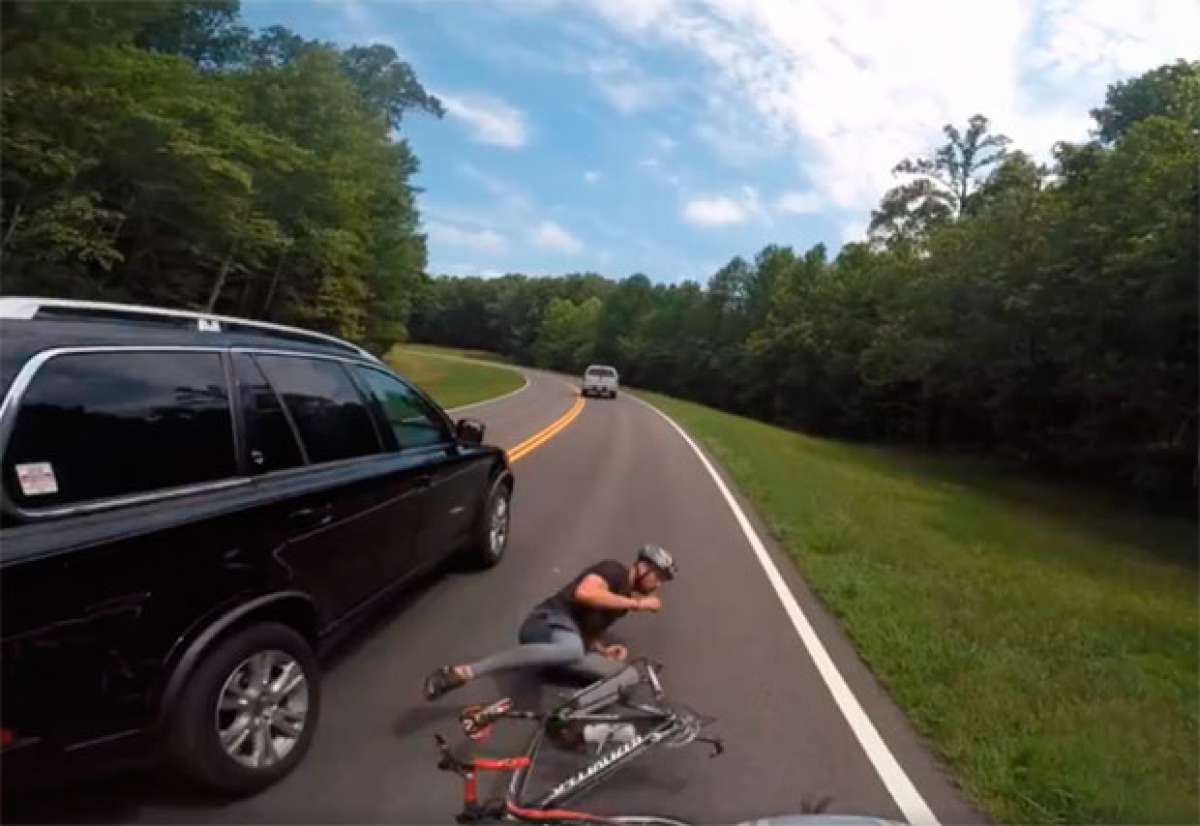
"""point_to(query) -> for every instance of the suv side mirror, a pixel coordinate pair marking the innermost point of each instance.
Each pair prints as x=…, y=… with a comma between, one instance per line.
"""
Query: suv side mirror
x=469, y=431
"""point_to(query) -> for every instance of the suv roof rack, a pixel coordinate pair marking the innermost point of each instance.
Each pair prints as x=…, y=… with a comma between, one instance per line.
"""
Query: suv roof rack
x=27, y=308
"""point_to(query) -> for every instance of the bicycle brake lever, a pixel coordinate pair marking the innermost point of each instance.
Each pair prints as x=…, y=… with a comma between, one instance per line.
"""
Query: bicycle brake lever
x=655, y=683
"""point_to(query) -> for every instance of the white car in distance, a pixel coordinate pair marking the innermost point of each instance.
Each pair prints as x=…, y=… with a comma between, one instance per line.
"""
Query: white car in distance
x=601, y=380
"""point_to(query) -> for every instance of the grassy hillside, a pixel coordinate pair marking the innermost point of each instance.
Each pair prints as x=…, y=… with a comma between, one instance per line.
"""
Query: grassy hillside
x=1044, y=639
x=452, y=383
x=478, y=355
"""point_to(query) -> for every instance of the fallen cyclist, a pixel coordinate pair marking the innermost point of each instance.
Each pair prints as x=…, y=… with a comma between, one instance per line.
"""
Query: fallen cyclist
x=566, y=630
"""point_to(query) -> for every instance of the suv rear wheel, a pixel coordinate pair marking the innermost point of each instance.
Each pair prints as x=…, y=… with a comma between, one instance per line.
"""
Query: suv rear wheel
x=248, y=712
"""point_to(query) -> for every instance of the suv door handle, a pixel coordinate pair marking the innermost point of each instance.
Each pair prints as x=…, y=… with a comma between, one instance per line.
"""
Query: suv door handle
x=317, y=517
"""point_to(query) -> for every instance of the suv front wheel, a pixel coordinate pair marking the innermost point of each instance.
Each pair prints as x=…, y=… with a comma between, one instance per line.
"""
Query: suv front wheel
x=247, y=714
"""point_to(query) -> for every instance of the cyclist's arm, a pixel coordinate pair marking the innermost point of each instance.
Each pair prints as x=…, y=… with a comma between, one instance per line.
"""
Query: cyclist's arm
x=593, y=592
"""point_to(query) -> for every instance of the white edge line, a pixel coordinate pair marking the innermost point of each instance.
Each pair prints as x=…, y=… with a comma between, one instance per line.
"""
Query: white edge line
x=448, y=357
x=916, y=811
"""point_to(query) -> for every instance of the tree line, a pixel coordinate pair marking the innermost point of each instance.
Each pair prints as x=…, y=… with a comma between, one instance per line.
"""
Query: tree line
x=161, y=152
x=1044, y=312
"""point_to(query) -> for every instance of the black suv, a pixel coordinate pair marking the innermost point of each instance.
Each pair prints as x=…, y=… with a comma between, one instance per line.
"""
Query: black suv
x=192, y=507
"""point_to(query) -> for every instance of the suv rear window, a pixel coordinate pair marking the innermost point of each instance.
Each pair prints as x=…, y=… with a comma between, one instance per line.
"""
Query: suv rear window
x=602, y=372
x=101, y=425
x=270, y=442
x=327, y=408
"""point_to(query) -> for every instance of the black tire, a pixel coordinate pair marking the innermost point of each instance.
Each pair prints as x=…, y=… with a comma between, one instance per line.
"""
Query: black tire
x=194, y=742
x=486, y=549
x=613, y=395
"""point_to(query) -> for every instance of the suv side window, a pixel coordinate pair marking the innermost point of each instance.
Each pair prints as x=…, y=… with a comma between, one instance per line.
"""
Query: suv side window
x=102, y=425
x=414, y=424
x=270, y=439
x=325, y=405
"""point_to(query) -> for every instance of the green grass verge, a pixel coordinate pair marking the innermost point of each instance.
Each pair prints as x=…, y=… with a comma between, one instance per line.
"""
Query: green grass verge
x=1044, y=639
x=479, y=355
x=452, y=383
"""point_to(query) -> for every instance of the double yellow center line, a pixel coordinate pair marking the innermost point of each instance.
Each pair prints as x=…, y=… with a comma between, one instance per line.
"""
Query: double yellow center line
x=546, y=434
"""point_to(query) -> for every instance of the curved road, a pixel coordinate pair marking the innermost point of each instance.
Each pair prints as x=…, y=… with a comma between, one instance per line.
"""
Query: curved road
x=618, y=476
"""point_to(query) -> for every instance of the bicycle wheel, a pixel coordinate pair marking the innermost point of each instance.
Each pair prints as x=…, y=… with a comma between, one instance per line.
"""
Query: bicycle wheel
x=648, y=820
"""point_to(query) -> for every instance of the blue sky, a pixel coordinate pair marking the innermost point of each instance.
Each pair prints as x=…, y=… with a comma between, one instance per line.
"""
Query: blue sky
x=666, y=136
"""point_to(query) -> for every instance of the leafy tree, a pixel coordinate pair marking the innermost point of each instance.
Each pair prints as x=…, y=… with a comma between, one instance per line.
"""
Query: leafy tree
x=387, y=84
x=1172, y=91
x=568, y=334
x=941, y=186
x=159, y=152
x=207, y=32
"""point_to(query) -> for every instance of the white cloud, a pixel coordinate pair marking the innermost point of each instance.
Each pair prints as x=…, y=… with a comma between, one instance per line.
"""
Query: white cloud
x=591, y=176
x=625, y=86
x=492, y=120
x=461, y=269
x=725, y=210
x=483, y=240
x=799, y=203
x=550, y=236
x=1113, y=38
x=628, y=97
x=720, y=211
x=665, y=143
x=649, y=163
x=848, y=87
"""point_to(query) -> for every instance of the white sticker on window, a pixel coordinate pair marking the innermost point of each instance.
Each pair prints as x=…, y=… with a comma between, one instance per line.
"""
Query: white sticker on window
x=37, y=478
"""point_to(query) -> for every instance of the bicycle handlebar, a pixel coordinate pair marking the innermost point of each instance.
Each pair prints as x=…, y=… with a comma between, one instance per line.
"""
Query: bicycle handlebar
x=476, y=720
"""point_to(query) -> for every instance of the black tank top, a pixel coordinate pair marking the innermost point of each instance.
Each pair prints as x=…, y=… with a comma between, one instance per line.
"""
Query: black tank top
x=593, y=621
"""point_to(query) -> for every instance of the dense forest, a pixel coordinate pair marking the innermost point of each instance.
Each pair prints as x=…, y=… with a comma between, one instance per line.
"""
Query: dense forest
x=1045, y=313
x=163, y=153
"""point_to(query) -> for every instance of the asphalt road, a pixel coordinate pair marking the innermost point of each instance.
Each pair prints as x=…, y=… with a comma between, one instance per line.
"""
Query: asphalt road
x=618, y=476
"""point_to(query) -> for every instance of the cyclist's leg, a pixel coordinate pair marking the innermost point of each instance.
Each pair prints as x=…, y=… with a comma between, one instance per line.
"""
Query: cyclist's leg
x=592, y=667
x=562, y=648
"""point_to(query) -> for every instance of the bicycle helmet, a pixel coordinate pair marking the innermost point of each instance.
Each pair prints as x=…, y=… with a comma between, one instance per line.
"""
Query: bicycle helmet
x=660, y=559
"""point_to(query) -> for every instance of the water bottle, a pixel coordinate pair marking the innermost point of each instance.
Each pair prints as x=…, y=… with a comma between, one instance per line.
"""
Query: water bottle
x=600, y=734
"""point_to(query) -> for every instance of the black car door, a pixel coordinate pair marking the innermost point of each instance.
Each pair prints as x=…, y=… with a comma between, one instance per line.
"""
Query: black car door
x=354, y=503
x=457, y=475
x=123, y=543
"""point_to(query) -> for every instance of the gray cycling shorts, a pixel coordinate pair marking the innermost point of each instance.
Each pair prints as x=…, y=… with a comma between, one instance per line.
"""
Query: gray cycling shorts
x=542, y=622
